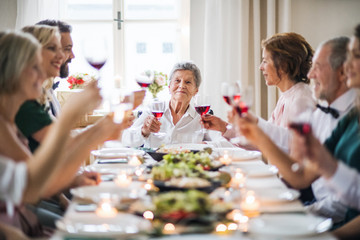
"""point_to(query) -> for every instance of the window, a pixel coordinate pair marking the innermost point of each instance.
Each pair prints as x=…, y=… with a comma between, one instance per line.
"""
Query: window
x=150, y=38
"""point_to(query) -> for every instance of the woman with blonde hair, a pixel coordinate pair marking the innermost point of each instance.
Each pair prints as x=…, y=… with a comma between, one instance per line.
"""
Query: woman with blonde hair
x=21, y=78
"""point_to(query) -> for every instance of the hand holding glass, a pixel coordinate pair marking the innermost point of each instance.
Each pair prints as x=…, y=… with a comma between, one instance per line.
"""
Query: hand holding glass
x=157, y=109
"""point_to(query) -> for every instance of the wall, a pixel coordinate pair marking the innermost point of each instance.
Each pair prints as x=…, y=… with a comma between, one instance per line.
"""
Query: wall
x=7, y=14
x=318, y=20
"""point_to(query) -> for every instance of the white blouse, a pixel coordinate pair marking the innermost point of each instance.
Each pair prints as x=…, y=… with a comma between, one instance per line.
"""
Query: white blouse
x=187, y=130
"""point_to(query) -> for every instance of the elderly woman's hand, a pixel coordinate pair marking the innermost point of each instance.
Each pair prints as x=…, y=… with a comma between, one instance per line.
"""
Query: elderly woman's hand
x=151, y=124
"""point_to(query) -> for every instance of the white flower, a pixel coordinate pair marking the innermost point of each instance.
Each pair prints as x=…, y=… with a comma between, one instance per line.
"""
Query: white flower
x=160, y=80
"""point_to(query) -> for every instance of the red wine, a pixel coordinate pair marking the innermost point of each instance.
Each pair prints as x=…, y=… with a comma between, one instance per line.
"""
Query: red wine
x=143, y=84
x=235, y=98
x=203, y=109
x=227, y=99
x=97, y=65
x=302, y=128
x=241, y=107
x=158, y=115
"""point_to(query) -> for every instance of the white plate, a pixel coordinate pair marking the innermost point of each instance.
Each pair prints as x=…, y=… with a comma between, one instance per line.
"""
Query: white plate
x=109, y=190
x=239, y=154
x=277, y=195
x=113, y=144
x=116, y=152
x=188, y=146
x=122, y=226
x=289, y=225
x=265, y=171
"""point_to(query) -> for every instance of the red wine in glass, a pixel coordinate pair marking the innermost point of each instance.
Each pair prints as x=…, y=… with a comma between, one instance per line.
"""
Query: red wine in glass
x=234, y=98
x=202, y=109
x=97, y=65
x=241, y=108
x=157, y=114
x=227, y=99
x=143, y=84
x=302, y=128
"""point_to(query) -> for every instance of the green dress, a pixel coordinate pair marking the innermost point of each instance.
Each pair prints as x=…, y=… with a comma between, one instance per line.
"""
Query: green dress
x=344, y=144
x=31, y=118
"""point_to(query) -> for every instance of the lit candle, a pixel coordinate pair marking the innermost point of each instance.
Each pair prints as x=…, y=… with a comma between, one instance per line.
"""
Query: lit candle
x=232, y=226
x=221, y=228
x=139, y=173
x=123, y=180
x=250, y=205
x=238, y=180
x=148, y=215
x=106, y=210
x=226, y=160
x=134, y=161
x=149, y=185
x=169, y=228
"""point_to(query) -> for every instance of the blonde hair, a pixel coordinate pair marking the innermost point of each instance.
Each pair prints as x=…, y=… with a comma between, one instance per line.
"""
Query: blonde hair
x=17, y=50
x=44, y=34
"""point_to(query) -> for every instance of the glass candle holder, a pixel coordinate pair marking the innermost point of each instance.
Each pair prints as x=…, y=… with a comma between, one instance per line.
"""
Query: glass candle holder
x=123, y=179
x=250, y=204
x=106, y=208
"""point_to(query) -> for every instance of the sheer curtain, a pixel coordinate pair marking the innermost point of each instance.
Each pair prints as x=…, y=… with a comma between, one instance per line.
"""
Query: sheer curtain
x=225, y=42
x=30, y=12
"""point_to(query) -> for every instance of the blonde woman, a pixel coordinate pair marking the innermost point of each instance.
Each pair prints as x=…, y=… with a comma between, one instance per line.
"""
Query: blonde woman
x=21, y=78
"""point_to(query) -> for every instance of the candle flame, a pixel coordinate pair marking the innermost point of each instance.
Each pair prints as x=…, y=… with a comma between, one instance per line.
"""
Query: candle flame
x=148, y=215
x=221, y=228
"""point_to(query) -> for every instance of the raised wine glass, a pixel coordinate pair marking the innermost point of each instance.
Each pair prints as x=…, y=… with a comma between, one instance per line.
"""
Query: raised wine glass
x=202, y=106
x=95, y=52
x=157, y=109
x=242, y=104
x=230, y=92
x=144, y=80
x=300, y=121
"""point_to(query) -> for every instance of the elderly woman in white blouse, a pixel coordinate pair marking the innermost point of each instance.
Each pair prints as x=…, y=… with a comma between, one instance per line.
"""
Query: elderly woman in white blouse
x=180, y=122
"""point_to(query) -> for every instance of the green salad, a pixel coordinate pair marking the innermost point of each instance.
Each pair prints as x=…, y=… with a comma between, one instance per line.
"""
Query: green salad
x=178, y=205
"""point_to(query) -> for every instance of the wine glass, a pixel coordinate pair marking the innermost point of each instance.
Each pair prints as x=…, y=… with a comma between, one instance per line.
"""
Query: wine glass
x=230, y=92
x=145, y=80
x=300, y=121
x=157, y=109
x=202, y=106
x=95, y=52
x=242, y=103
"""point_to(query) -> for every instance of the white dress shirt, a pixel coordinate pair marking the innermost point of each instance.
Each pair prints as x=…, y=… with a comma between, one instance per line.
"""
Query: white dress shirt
x=345, y=183
x=13, y=180
x=187, y=130
x=322, y=126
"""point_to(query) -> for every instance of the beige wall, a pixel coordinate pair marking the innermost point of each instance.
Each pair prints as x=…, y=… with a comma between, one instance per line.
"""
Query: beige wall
x=7, y=14
x=319, y=20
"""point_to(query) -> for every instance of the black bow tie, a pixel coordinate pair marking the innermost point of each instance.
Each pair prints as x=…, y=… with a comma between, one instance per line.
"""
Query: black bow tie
x=330, y=110
x=55, y=85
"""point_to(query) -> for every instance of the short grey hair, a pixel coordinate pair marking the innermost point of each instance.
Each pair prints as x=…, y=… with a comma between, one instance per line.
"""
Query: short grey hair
x=17, y=50
x=187, y=66
x=338, y=53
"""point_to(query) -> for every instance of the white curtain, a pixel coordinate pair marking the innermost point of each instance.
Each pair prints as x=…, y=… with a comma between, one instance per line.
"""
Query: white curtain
x=225, y=42
x=30, y=12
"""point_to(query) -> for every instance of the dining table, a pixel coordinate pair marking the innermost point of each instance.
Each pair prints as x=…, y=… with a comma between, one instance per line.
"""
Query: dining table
x=284, y=218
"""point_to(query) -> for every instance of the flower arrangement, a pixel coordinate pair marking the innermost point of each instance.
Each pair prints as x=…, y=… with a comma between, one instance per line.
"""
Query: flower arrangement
x=160, y=81
x=79, y=80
